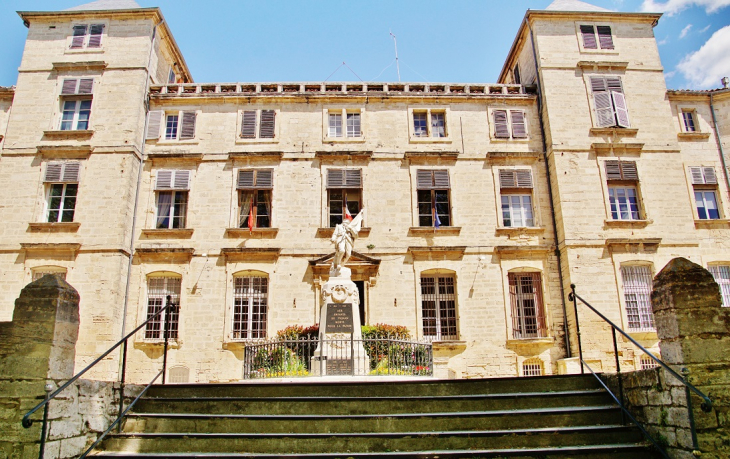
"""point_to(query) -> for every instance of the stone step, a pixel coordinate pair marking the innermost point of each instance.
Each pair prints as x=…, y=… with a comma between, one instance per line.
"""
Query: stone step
x=372, y=404
x=370, y=442
x=469, y=420
x=377, y=387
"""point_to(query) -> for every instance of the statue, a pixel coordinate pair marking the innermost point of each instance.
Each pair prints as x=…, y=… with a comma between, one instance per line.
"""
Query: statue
x=344, y=238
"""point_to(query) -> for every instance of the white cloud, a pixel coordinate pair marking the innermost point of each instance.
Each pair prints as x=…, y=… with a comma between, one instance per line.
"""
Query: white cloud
x=663, y=42
x=685, y=31
x=675, y=6
x=704, y=29
x=703, y=68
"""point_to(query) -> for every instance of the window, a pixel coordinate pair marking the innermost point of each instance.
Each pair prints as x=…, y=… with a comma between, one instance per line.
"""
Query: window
x=689, y=123
x=76, y=103
x=647, y=363
x=532, y=367
x=177, y=125
x=344, y=194
x=179, y=375
x=352, y=123
x=623, y=194
x=513, y=126
x=637, y=284
x=609, y=102
x=721, y=273
x=438, y=307
x=61, y=180
x=434, y=208
x=250, y=301
x=43, y=270
x=429, y=124
x=704, y=184
x=261, y=122
x=158, y=289
x=515, y=187
x=525, y=291
x=516, y=74
x=254, y=197
x=87, y=36
x=172, y=198
x=596, y=37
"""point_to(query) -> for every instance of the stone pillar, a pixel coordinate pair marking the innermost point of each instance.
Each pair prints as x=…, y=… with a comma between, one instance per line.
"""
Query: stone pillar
x=694, y=333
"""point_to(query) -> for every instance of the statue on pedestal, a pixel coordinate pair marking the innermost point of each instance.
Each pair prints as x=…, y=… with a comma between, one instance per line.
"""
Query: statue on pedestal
x=344, y=238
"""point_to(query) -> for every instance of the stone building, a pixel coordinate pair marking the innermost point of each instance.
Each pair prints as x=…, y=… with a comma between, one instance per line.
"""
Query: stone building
x=484, y=201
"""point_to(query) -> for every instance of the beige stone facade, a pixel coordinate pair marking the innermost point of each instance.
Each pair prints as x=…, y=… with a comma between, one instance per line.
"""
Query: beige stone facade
x=515, y=170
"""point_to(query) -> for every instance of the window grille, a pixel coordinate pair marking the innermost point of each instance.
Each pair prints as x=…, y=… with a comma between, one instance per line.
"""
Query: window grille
x=637, y=283
x=647, y=363
x=528, y=320
x=721, y=273
x=250, y=304
x=158, y=289
x=438, y=307
x=37, y=274
x=179, y=375
x=532, y=367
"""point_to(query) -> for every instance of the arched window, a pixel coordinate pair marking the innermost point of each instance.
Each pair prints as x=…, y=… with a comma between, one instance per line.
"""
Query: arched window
x=528, y=316
x=159, y=287
x=532, y=367
x=250, y=305
x=438, y=306
x=637, y=283
x=721, y=273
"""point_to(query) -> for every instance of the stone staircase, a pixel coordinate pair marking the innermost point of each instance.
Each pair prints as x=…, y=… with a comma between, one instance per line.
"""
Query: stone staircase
x=541, y=417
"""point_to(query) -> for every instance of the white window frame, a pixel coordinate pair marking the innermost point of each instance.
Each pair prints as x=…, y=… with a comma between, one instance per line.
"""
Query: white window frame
x=507, y=192
x=522, y=215
x=721, y=273
x=342, y=114
x=68, y=174
x=598, y=49
x=248, y=333
x=429, y=138
x=703, y=180
x=628, y=183
x=174, y=209
x=633, y=278
x=684, y=114
x=168, y=288
x=632, y=215
x=77, y=110
x=517, y=306
x=157, y=127
x=533, y=366
x=441, y=301
x=614, y=97
x=63, y=197
x=87, y=38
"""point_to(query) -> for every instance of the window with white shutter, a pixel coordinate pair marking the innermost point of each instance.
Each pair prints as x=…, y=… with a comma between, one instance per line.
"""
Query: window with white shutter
x=704, y=184
x=172, y=188
x=61, y=180
x=76, y=98
x=86, y=36
x=344, y=194
x=609, y=102
x=623, y=190
x=255, y=187
x=433, y=189
x=515, y=194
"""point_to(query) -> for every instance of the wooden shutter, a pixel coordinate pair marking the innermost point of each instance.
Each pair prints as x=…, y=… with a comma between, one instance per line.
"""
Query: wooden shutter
x=181, y=180
x=248, y=124
x=622, y=112
x=268, y=118
x=62, y=172
x=153, y=124
x=621, y=170
x=95, y=32
x=344, y=178
x=255, y=179
x=605, y=40
x=173, y=180
x=78, y=38
x=69, y=86
x=187, y=131
x=703, y=175
x=589, y=37
x=604, y=109
x=164, y=180
x=501, y=129
x=519, y=178
x=519, y=130
x=432, y=179
x=86, y=86
x=614, y=84
x=73, y=86
x=335, y=178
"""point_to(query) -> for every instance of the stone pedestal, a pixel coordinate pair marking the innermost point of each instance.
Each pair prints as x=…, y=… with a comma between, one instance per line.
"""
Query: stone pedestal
x=340, y=350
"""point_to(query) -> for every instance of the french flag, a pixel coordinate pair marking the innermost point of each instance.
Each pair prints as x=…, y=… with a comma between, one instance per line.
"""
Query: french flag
x=436, y=221
x=250, y=217
x=348, y=215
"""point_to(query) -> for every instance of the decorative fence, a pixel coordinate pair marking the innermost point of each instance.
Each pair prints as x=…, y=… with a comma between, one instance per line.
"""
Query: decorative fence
x=299, y=358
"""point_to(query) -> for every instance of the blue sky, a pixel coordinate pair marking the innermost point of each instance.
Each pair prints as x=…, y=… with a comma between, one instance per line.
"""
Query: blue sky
x=444, y=41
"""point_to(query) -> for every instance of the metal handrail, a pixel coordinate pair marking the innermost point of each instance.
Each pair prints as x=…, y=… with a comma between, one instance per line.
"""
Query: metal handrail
x=707, y=403
x=27, y=422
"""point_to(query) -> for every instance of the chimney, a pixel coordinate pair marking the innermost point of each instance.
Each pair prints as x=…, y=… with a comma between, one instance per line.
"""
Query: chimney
x=724, y=82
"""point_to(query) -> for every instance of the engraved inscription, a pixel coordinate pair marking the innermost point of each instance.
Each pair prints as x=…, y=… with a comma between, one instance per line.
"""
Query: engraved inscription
x=339, y=318
x=339, y=366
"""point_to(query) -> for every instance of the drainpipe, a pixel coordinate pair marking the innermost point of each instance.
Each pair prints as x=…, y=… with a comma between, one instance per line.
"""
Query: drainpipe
x=139, y=184
x=719, y=144
x=550, y=193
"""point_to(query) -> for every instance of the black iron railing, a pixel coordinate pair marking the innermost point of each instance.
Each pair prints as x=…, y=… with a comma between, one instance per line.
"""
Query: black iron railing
x=27, y=421
x=347, y=356
x=706, y=402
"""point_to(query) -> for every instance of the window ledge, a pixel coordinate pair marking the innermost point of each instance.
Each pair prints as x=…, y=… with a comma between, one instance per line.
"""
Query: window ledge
x=429, y=139
x=510, y=139
x=693, y=135
x=443, y=345
x=327, y=232
x=240, y=343
x=176, y=142
x=510, y=230
x=615, y=131
x=66, y=227
x=360, y=139
x=177, y=233
x=85, y=50
x=241, y=141
x=530, y=341
x=69, y=134
x=712, y=223
x=256, y=233
x=628, y=223
x=431, y=231
x=147, y=342
x=647, y=334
